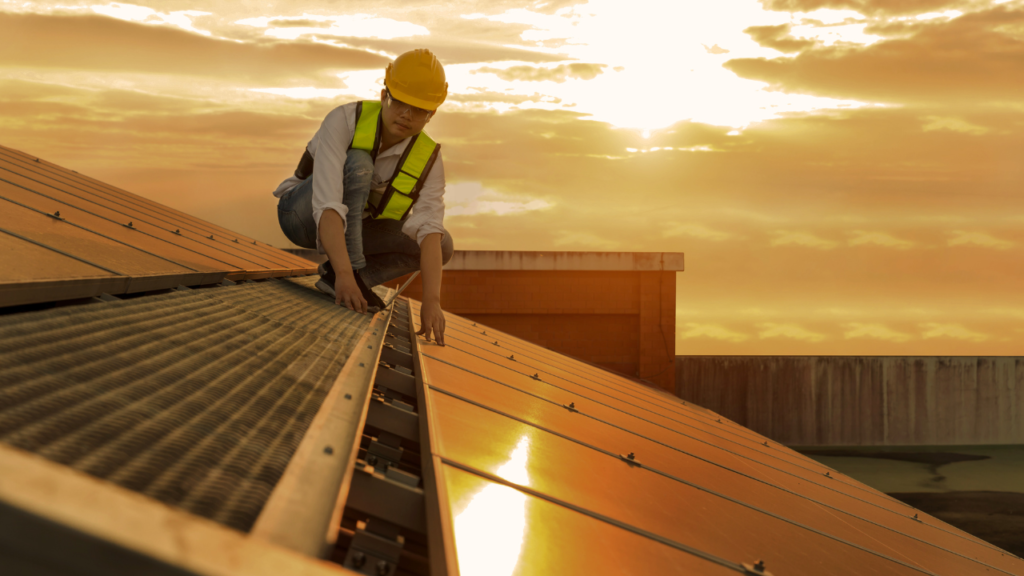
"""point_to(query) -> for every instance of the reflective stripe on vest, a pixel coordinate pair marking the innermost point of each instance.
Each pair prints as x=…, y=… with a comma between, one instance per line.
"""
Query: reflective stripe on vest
x=410, y=171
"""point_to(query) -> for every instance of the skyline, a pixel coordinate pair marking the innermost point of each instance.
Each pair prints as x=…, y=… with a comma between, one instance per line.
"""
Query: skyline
x=843, y=175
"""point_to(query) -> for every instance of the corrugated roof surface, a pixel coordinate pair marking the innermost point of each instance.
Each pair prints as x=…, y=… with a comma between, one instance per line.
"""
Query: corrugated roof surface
x=64, y=236
x=197, y=398
x=553, y=465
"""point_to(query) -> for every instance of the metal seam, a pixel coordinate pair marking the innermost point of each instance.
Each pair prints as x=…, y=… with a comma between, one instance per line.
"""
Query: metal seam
x=62, y=253
x=699, y=487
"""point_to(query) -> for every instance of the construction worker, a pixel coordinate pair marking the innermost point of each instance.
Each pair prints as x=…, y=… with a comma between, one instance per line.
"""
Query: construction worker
x=368, y=192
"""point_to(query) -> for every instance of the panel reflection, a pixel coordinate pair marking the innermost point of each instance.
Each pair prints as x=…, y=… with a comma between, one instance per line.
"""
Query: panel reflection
x=489, y=532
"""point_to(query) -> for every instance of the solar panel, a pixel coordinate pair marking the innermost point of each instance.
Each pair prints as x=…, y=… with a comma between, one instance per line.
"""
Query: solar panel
x=547, y=427
x=109, y=240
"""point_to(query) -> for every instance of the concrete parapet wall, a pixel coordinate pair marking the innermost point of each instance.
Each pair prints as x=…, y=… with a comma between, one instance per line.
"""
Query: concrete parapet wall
x=873, y=400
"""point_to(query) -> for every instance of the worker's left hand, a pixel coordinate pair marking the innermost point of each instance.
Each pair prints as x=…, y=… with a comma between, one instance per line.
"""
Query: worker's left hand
x=432, y=322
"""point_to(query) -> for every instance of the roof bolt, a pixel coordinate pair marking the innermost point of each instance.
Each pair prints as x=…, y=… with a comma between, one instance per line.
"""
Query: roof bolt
x=719, y=420
x=131, y=225
x=572, y=405
x=57, y=213
x=474, y=323
x=828, y=474
x=536, y=376
x=765, y=442
x=511, y=356
x=178, y=231
x=328, y=450
x=211, y=236
x=759, y=566
x=915, y=517
x=37, y=159
x=382, y=568
x=484, y=332
x=236, y=240
x=631, y=456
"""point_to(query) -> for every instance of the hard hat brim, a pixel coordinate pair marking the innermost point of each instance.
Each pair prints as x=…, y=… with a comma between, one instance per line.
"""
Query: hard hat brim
x=414, y=101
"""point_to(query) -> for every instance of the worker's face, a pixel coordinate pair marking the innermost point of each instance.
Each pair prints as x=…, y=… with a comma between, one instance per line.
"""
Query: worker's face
x=400, y=119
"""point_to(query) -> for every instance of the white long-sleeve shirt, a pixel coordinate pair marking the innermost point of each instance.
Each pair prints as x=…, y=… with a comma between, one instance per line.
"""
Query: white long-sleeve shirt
x=329, y=148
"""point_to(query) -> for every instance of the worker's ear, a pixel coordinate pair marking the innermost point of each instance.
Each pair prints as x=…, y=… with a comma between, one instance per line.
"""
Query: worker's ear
x=383, y=95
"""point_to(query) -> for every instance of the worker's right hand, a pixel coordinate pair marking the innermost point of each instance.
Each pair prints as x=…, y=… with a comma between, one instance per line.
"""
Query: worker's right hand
x=347, y=292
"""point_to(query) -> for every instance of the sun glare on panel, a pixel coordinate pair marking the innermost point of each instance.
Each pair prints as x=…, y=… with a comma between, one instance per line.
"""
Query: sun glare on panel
x=489, y=533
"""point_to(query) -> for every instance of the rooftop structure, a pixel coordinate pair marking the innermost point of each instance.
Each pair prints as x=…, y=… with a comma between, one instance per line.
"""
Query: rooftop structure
x=255, y=428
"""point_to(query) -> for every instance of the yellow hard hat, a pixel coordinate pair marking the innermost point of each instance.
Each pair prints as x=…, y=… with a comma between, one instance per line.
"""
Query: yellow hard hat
x=417, y=78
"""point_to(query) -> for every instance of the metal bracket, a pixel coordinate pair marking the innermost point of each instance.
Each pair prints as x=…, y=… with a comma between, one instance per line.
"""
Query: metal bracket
x=383, y=415
x=392, y=500
x=756, y=569
x=630, y=459
x=395, y=378
x=375, y=549
x=395, y=357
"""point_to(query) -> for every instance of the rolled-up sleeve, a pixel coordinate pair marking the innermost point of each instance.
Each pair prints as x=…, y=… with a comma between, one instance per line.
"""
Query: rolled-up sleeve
x=330, y=149
x=428, y=212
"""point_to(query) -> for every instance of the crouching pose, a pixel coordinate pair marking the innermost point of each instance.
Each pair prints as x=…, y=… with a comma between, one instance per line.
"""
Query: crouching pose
x=369, y=190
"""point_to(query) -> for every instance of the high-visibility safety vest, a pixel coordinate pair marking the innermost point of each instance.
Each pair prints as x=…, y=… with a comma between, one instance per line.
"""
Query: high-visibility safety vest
x=410, y=172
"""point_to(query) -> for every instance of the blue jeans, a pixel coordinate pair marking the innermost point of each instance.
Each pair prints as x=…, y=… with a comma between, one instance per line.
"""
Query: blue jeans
x=378, y=249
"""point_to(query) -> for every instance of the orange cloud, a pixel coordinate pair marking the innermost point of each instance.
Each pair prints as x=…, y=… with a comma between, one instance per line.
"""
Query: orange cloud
x=977, y=57
x=559, y=73
x=100, y=43
x=875, y=7
x=778, y=37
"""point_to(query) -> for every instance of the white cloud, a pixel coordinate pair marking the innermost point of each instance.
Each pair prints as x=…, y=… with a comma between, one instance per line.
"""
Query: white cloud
x=874, y=331
x=180, y=19
x=469, y=198
x=787, y=238
x=351, y=25
x=585, y=241
x=953, y=125
x=792, y=331
x=981, y=239
x=955, y=331
x=865, y=237
x=713, y=331
x=696, y=231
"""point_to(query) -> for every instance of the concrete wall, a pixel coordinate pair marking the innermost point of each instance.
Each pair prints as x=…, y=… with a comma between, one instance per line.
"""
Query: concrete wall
x=850, y=400
x=622, y=320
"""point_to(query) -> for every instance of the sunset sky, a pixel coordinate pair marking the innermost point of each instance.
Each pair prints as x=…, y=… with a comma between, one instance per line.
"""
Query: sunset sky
x=844, y=176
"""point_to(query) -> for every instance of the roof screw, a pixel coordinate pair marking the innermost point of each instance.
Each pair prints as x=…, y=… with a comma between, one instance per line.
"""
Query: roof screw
x=211, y=236
x=253, y=241
x=511, y=356
x=57, y=213
x=236, y=240
x=759, y=566
x=915, y=517
x=572, y=405
x=828, y=474
x=765, y=442
x=719, y=420
x=178, y=231
x=631, y=456
x=536, y=376
x=496, y=343
x=131, y=225
x=328, y=450
x=37, y=159
x=474, y=323
x=382, y=568
x=484, y=332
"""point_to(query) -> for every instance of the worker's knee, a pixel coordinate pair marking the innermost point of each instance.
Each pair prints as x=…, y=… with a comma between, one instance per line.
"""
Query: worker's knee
x=447, y=247
x=358, y=162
